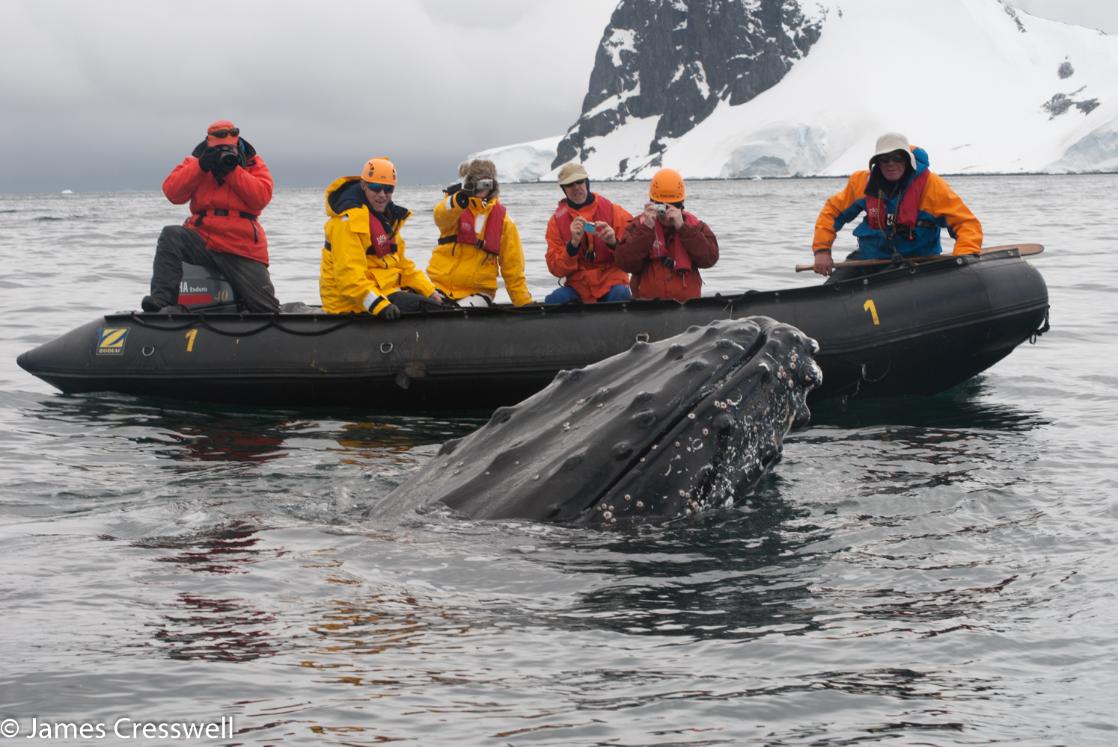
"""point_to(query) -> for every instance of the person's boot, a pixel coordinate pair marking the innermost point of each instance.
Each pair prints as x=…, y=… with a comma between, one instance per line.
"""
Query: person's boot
x=151, y=304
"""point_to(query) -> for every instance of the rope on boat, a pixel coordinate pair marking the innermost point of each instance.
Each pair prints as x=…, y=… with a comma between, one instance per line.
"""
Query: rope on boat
x=204, y=321
x=1044, y=327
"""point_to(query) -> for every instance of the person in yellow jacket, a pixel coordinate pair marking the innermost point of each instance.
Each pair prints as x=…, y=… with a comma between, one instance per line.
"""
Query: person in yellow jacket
x=364, y=267
x=906, y=207
x=476, y=239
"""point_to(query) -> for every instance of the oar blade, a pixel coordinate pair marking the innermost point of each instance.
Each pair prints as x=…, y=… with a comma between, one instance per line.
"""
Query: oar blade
x=1024, y=250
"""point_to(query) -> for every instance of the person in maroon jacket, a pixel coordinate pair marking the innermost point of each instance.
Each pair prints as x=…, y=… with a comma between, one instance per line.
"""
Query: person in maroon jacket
x=227, y=185
x=665, y=246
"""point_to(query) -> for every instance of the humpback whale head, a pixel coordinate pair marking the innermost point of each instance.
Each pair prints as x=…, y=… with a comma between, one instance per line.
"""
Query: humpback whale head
x=660, y=431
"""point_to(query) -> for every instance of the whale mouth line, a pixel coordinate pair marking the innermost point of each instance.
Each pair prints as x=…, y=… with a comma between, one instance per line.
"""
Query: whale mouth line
x=729, y=373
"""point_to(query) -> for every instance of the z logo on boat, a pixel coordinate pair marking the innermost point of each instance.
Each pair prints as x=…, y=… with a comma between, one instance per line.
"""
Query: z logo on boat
x=111, y=340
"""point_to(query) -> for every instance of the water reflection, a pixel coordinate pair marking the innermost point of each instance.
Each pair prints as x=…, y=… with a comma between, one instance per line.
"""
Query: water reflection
x=600, y=687
x=198, y=432
x=211, y=629
x=730, y=574
x=186, y=432
x=964, y=406
x=783, y=567
x=367, y=440
x=913, y=445
x=223, y=549
x=372, y=624
x=226, y=440
x=358, y=624
x=207, y=627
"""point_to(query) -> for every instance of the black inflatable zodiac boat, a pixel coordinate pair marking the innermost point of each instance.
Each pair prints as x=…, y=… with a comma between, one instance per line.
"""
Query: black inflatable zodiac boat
x=914, y=329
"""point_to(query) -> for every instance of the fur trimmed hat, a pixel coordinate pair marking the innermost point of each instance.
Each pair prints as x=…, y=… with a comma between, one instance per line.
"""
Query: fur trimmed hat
x=480, y=168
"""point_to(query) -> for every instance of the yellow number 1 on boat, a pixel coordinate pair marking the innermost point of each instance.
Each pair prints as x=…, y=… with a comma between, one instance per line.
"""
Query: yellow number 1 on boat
x=192, y=335
x=867, y=306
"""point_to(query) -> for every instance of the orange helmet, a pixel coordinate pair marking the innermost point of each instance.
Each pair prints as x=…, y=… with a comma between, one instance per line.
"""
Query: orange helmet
x=666, y=186
x=379, y=171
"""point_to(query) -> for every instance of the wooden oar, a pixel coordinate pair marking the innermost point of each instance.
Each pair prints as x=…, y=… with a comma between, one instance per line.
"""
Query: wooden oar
x=1025, y=250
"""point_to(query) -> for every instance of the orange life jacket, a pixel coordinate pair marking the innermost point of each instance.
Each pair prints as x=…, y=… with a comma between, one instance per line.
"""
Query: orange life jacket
x=594, y=249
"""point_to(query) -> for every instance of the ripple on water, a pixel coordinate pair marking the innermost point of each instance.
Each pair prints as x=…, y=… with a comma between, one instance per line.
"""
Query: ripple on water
x=919, y=570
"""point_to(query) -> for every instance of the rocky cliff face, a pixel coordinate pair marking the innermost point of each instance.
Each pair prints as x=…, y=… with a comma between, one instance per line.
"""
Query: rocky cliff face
x=675, y=60
x=775, y=88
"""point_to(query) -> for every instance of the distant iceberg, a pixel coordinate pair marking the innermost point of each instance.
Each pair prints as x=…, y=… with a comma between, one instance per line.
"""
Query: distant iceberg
x=67, y=191
x=523, y=162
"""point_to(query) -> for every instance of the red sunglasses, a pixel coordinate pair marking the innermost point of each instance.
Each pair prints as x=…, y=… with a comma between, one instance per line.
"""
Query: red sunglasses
x=234, y=131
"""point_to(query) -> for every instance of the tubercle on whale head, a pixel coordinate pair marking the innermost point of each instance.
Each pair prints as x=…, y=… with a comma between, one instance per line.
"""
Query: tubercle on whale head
x=739, y=427
x=662, y=431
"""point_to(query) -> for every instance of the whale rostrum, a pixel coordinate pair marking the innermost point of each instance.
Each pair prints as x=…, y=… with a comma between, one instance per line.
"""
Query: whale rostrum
x=661, y=431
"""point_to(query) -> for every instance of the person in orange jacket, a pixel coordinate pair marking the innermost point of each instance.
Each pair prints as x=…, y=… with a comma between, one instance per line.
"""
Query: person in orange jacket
x=906, y=208
x=665, y=246
x=227, y=185
x=581, y=237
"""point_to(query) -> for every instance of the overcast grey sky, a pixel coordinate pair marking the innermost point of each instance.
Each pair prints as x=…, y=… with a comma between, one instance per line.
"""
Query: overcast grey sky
x=101, y=95
x=110, y=95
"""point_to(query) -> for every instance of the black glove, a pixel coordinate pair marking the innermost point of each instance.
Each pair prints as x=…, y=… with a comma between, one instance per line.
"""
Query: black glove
x=391, y=312
x=572, y=248
x=454, y=188
x=462, y=198
x=221, y=170
x=208, y=160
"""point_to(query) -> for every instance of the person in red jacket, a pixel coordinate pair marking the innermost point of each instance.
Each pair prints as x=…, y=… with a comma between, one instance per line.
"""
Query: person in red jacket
x=665, y=246
x=227, y=185
x=581, y=237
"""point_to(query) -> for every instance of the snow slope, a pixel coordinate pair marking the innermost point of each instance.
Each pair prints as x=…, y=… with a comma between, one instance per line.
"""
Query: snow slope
x=982, y=87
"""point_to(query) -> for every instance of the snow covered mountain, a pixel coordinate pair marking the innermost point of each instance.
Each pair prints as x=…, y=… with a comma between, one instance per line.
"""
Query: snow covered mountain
x=741, y=88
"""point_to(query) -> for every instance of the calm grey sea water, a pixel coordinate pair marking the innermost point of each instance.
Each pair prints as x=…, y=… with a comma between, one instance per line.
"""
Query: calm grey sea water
x=919, y=571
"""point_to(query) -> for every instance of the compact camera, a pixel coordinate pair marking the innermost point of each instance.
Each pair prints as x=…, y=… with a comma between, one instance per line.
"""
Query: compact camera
x=473, y=187
x=589, y=227
x=661, y=209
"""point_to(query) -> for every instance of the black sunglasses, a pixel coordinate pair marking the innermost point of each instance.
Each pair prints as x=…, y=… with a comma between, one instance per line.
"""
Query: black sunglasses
x=386, y=188
x=568, y=185
x=893, y=158
x=234, y=131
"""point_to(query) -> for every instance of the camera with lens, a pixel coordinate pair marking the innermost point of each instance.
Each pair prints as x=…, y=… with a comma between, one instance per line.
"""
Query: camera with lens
x=473, y=186
x=227, y=157
x=661, y=209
